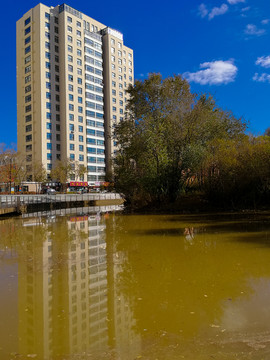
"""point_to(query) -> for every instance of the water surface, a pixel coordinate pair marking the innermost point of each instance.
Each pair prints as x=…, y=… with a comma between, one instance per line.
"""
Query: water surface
x=111, y=286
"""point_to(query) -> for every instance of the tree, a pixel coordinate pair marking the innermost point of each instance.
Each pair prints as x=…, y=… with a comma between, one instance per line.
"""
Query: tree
x=39, y=173
x=78, y=170
x=165, y=138
x=12, y=167
x=61, y=171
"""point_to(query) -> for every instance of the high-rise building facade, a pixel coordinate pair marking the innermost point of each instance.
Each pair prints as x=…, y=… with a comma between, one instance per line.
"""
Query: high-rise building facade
x=72, y=77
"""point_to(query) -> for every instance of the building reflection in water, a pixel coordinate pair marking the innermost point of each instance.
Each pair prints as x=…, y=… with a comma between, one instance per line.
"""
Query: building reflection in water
x=69, y=300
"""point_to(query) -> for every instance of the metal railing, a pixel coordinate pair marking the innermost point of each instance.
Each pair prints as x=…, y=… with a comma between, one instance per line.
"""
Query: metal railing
x=8, y=201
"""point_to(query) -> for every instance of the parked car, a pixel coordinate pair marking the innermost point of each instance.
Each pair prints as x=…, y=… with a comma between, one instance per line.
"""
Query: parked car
x=51, y=191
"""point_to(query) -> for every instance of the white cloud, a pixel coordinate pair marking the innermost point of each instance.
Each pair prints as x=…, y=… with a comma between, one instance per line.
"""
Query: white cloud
x=203, y=11
x=245, y=9
x=261, y=78
x=233, y=2
x=265, y=21
x=263, y=61
x=252, y=29
x=216, y=11
x=213, y=73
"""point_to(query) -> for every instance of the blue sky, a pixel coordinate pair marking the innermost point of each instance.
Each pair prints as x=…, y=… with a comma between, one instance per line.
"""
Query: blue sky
x=221, y=46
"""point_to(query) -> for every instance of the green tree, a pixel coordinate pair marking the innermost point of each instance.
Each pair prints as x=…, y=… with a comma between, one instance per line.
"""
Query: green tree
x=165, y=138
x=62, y=171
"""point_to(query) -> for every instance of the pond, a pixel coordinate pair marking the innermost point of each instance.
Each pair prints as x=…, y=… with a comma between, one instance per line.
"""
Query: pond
x=114, y=286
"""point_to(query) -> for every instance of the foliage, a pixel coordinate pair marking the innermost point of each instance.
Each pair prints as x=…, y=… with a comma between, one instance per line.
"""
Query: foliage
x=238, y=172
x=63, y=170
x=165, y=138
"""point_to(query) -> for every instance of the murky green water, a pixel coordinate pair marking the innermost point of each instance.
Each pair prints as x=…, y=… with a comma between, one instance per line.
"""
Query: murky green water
x=135, y=287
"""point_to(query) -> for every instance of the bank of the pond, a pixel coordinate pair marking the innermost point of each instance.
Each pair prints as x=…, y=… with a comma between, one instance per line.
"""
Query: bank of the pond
x=193, y=204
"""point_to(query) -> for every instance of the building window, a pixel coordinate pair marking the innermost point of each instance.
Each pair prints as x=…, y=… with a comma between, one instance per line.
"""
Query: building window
x=27, y=98
x=70, y=68
x=47, y=16
x=28, y=128
x=27, y=40
x=49, y=156
x=28, y=138
x=69, y=19
x=49, y=136
x=79, y=43
x=27, y=69
x=69, y=38
x=72, y=157
x=27, y=59
x=80, y=138
x=80, y=119
x=69, y=29
x=28, y=118
x=28, y=108
x=27, y=30
x=71, y=117
x=80, y=147
x=27, y=21
x=27, y=49
x=49, y=146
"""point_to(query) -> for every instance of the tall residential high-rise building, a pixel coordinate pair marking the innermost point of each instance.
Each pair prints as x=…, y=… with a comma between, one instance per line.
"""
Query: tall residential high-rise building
x=72, y=77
